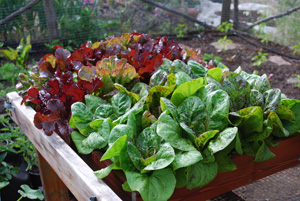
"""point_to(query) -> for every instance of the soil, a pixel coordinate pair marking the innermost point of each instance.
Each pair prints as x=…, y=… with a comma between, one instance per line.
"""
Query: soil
x=242, y=56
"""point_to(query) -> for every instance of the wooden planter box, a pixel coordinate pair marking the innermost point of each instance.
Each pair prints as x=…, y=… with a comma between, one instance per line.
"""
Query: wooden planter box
x=62, y=168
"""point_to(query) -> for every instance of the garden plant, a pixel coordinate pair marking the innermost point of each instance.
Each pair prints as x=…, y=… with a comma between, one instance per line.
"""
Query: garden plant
x=157, y=110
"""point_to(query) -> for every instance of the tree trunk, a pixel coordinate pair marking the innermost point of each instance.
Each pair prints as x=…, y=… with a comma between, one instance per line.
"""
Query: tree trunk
x=225, y=17
x=51, y=19
x=236, y=14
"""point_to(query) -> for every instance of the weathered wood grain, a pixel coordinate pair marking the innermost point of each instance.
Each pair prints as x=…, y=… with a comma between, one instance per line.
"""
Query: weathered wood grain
x=71, y=169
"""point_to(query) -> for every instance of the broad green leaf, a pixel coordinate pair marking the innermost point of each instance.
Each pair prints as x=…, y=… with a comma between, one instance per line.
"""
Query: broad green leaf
x=164, y=157
x=166, y=104
x=284, y=113
x=3, y=184
x=148, y=142
x=92, y=102
x=171, y=132
x=159, y=185
x=238, y=144
x=205, y=137
x=248, y=120
x=181, y=178
x=272, y=100
x=251, y=148
x=81, y=117
x=193, y=114
x=77, y=139
x=293, y=125
x=263, y=153
x=185, y=159
x=118, y=131
x=137, y=108
x=31, y=193
x=266, y=132
x=95, y=141
x=225, y=164
x=215, y=73
x=126, y=187
x=223, y=139
x=159, y=78
x=95, y=124
x=166, y=65
x=210, y=87
x=133, y=123
x=186, y=90
x=121, y=103
x=182, y=77
x=201, y=174
x=217, y=107
x=105, y=128
x=149, y=160
x=104, y=172
x=104, y=111
x=148, y=119
x=115, y=149
x=197, y=69
x=126, y=162
x=135, y=156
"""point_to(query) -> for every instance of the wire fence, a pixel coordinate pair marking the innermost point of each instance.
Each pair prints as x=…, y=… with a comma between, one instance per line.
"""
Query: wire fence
x=82, y=20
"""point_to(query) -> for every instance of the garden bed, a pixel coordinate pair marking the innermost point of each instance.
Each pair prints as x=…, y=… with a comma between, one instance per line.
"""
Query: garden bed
x=74, y=172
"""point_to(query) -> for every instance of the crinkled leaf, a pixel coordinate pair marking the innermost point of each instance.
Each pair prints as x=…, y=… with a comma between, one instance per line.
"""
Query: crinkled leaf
x=159, y=78
x=262, y=83
x=171, y=132
x=92, y=102
x=95, y=141
x=180, y=66
x=185, y=159
x=249, y=120
x=215, y=73
x=159, y=185
x=201, y=174
x=255, y=98
x=198, y=70
x=104, y=111
x=237, y=88
x=272, y=100
x=166, y=104
x=293, y=125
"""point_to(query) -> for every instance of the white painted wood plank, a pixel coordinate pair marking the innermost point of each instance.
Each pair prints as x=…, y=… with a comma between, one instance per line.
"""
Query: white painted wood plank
x=71, y=169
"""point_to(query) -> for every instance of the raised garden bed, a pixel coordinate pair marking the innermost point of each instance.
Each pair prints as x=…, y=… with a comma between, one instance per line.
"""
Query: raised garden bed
x=77, y=176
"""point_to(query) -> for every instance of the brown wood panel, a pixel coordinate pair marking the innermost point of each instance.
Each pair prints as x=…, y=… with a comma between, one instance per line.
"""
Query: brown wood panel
x=54, y=189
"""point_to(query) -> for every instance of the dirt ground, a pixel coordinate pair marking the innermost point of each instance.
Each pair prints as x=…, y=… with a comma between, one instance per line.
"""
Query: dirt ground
x=280, y=76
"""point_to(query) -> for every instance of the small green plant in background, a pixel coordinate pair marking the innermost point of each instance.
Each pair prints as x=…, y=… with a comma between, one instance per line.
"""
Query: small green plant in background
x=20, y=54
x=260, y=58
x=298, y=77
x=264, y=37
x=27, y=192
x=297, y=48
x=57, y=42
x=7, y=171
x=225, y=27
x=180, y=30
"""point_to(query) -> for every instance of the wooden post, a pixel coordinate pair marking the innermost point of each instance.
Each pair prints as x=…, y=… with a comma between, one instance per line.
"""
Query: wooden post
x=54, y=189
x=225, y=16
x=51, y=19
x=236, y=14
